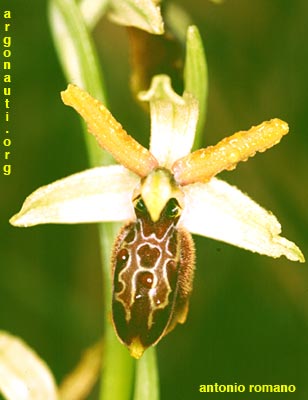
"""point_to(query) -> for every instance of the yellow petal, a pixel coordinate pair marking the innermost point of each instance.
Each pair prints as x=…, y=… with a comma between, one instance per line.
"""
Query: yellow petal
x=203, y=164
x=109, y=133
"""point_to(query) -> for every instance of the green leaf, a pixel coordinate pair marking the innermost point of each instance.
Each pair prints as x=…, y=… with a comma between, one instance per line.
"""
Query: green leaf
x=75, y=47
x=78, y=58
x=196, y=76
x=23, y=374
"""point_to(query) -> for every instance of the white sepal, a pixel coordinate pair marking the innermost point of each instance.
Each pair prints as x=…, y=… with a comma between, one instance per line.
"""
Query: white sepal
x=173, y=121
x=95, y=195
x=222, y=212
x=23, y=375
x=142, y=14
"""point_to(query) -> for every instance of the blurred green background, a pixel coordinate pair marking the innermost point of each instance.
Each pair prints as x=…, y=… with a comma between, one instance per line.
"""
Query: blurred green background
x=248, y=320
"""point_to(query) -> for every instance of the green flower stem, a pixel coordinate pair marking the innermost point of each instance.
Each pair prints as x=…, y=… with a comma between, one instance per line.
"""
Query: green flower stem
x=118, y=365
x=147, y=383
x=79, y=61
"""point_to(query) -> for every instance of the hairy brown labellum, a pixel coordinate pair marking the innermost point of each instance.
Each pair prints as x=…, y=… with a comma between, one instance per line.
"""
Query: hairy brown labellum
x=153, y=265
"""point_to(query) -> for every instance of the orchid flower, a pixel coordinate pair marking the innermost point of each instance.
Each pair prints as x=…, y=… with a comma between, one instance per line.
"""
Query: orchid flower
x=161, y=194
